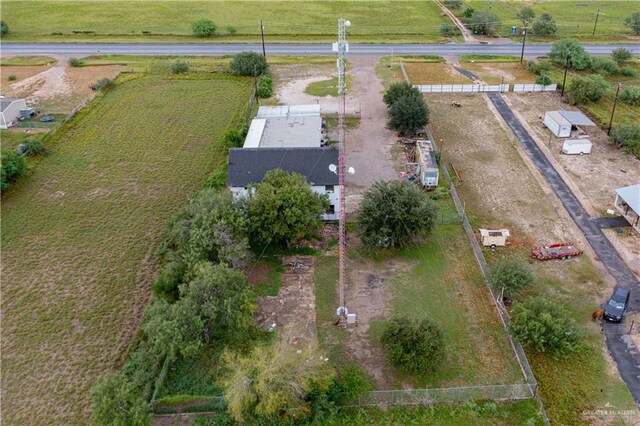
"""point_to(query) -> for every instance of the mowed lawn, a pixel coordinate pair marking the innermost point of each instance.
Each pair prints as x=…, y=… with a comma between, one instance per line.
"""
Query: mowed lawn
x=283, y=20
x=80, y=231
x=575, y=18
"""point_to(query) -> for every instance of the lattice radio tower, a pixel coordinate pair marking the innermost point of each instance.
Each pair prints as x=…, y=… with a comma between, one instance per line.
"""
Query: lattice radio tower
x=342, y=47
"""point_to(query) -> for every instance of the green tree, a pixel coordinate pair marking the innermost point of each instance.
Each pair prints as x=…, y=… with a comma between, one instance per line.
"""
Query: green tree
x=484, y=22
x=168, y=279
x=621, y=55
x=585, y=90
x=631, y=96
x=416, y=346
x=512, y=275
x=13, y=166
x=173, y=329
x=4, y=28
x=526, y=15
x=204, y=28
x=408, y=115
x=543, y=79
x=392, y=213
x=275, y=382
x=569, y=49
x=283, y=208
x=179, y=67
x=633, y=22
x=627, y=137
x=223, y=300
x=468, y=13
x=545, y=25
x=400, y=90
x=248, y=64
x=544, y=326
x=116, y=402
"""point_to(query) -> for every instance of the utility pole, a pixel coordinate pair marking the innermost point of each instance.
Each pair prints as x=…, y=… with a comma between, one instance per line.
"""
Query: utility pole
x=564, y=80
x=524, y=41
x=613, y=110
x=596, y=23
x=264, y=52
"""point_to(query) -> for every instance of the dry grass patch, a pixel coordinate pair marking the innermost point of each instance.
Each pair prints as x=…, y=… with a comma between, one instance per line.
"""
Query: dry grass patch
x=501, y=72
x=434, y=73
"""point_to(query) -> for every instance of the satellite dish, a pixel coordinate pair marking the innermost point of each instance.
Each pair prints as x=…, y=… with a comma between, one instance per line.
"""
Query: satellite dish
x=347, y=23
x=352, y=170
x=333, y=168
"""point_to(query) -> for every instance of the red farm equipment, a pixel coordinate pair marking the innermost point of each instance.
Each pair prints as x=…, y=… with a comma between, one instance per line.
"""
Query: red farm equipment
x=555, y=251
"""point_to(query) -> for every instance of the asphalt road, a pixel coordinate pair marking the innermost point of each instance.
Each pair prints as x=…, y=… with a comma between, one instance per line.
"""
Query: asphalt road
x=291, y=49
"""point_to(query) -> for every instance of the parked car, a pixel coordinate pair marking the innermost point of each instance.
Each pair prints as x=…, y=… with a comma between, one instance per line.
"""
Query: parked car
x=617, y=305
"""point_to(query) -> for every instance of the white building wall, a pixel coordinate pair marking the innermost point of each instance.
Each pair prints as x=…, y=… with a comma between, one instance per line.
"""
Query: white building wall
x=12, y=113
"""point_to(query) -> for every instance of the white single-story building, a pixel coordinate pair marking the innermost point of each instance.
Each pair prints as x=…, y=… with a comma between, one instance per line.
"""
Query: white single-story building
x=562, y=123
x=10, y=111
x=286, y=126
x=628, y=204
x=247, y=166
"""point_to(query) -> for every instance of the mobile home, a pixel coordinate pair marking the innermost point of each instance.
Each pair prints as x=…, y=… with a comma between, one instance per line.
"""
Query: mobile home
x=427, y=170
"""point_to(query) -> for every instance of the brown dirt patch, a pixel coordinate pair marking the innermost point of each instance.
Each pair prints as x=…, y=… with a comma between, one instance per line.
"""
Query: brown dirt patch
x=21, y=73
x=258, y=273
x=293, y=310
x=498, y=72
x=434, y=73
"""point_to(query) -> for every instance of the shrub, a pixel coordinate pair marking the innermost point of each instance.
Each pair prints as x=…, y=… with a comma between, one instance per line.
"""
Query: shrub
x=13, y=166
x=585, y=90
x=393, y=213
x=204, y=28
x=4, y=28
x=633, y=22
x=265, y=86
x=232, y=139
x=103, y=83
x=621, y=54
x=408, y=114
x=179, y=67
x=453, y=4
x=604, y=66
x=631, y=96
x=512, y=275
x=75, y=62
x=216, y=180
x=628, y=71
x=627, y=137
x=569, y=49
x=538, y=67
x=117, y=402
x=544, y=326
x=248, y=64
x=543, y=79
x=33, y=147
x=468, y=13
x=399, y=90
x=545, y=25
x=414, y=346
x=484, y=22
x=168, y=279
x=231, y=29
x=354, y=382
x=449, y=30
x=11, y=77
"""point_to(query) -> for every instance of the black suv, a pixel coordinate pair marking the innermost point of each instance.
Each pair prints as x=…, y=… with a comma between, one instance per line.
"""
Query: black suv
x=617, y=305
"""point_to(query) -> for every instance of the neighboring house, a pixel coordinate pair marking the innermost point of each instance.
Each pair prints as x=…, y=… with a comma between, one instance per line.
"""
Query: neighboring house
x=628, y=204
x=10, y=111
x=286, y=127
x=248, y=166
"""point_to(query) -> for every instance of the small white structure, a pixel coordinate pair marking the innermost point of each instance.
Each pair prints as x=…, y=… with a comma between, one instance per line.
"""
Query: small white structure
x=494, y=237
x=10, y=111
x=628, y=204
x=286, y=126
x=427, y=170
x=561, y=123
x=576, y=146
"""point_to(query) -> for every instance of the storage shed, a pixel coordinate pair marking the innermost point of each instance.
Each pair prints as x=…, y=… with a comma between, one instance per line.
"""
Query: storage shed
x=561, y=123
x=628, y=204
x=10, y=111
x=494, y=237
x=427, y=170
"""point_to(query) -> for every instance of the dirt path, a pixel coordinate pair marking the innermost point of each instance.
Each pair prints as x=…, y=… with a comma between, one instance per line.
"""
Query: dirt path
x=466, y=34
x=46, y=84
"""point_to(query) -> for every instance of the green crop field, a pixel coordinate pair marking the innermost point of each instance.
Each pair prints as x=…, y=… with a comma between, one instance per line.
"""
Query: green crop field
x=79, y=233
x=574, y=18
x=375, y=21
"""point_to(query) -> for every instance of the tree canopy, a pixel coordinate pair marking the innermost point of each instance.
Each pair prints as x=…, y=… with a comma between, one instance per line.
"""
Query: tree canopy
x=512, y=275
x=569, y=49
x=117, y=403
x=400, y=90
x=545, y=25
x=585, y=90
x=204, y=28
x=408, y=114
x=484, y=22
x=248, y=64
x=633, y=22
x=526, y=15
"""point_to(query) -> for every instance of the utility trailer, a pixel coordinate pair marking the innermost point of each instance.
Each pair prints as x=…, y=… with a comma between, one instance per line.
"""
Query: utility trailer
x=556, y=251
x=576, y=146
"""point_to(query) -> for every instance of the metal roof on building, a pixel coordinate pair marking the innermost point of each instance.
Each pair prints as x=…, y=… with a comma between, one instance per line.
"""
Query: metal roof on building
x=631, y=196
x=6, y=102
x=288, y=111
x=577, y=118
x=249, y=165
x=558, y=118
x=285, y=126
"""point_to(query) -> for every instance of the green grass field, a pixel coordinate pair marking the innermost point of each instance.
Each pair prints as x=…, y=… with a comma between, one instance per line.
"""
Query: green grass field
x=575, y=18
x=79, y=233
x=373, y=21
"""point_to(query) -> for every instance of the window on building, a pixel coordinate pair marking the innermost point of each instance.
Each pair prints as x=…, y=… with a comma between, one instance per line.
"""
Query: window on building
x=328, y=188
x=331, y=209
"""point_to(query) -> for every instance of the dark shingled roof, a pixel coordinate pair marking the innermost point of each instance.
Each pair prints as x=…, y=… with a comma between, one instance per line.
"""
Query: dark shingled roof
x=249, y=165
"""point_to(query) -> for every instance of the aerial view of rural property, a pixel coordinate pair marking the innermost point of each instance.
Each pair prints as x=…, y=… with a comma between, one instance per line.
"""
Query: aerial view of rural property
x=320, y=213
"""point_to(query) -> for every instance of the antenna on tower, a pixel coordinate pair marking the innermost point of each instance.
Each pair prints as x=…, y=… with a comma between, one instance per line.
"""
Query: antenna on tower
x=342, y=48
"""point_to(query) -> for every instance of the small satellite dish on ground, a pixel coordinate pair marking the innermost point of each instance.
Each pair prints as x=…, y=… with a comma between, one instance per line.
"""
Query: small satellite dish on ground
x=351, y=170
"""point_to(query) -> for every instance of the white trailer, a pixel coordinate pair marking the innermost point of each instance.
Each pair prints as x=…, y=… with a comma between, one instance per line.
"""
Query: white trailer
x=576, y=146
x=494, y=237
x=559, y=126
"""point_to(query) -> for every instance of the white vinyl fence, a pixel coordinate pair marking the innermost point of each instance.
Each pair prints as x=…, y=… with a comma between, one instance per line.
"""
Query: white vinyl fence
x=462, y=88
x=534, y=88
